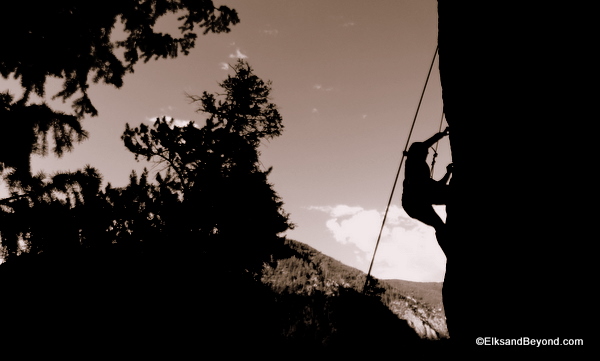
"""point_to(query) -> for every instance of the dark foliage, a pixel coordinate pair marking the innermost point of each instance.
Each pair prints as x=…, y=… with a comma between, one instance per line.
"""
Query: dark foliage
x=54, y=214
x=71, y=40
x=75, y=41
x=24, y=131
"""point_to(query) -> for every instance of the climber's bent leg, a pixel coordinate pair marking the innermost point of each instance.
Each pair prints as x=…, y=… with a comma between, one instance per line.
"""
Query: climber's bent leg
x=428, y=215
x=425, y=214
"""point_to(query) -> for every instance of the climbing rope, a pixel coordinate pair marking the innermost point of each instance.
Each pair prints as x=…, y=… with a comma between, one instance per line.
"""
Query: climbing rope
x=387, y=208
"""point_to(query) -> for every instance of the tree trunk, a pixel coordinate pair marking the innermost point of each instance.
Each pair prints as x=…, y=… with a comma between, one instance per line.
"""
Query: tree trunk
x=509, y=102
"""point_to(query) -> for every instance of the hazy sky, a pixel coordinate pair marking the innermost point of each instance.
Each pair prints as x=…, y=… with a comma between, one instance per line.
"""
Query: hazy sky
x=347, y=76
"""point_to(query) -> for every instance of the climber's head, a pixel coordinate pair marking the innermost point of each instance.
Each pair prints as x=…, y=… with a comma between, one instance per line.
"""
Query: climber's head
x=418, y=150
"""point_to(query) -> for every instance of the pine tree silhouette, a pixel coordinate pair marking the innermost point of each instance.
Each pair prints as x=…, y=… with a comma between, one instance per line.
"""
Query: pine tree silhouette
x=215, y=169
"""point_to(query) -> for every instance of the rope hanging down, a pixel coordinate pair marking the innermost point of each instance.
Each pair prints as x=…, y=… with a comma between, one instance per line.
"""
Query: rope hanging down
x=398, y=172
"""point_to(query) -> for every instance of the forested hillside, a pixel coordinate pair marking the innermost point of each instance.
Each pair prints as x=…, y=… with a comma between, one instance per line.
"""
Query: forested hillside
x=428, y=293
x=306, y=271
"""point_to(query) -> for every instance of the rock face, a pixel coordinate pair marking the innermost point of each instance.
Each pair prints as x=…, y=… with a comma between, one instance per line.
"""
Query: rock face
x=510, y=90
x=426, y=325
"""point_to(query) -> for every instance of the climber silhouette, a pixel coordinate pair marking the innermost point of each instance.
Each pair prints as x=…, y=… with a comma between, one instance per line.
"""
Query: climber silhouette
x=421, y=191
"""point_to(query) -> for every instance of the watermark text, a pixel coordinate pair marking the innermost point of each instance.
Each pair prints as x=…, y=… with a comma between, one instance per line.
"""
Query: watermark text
x=527, y=341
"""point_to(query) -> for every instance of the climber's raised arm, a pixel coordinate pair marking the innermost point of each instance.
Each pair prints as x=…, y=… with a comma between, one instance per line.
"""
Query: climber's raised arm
x=431, y=141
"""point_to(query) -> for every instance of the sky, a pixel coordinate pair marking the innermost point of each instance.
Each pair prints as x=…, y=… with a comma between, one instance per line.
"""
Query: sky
x=346, y=76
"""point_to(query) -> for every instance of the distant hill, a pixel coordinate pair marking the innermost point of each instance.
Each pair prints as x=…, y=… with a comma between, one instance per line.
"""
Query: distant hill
x=429, y=293
x=306, y=271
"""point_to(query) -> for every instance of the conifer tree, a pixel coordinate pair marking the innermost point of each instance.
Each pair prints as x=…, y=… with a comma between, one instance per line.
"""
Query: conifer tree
x=215, y=168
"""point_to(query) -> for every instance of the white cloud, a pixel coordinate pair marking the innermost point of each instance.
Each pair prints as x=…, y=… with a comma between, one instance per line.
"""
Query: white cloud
x=359, y=229
x=407, y=249
x=238, y=55
x=272, y=32
x=224, y=66
x=180, y=123
x=173, y=122
x=320, y=87
x=338, y=211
